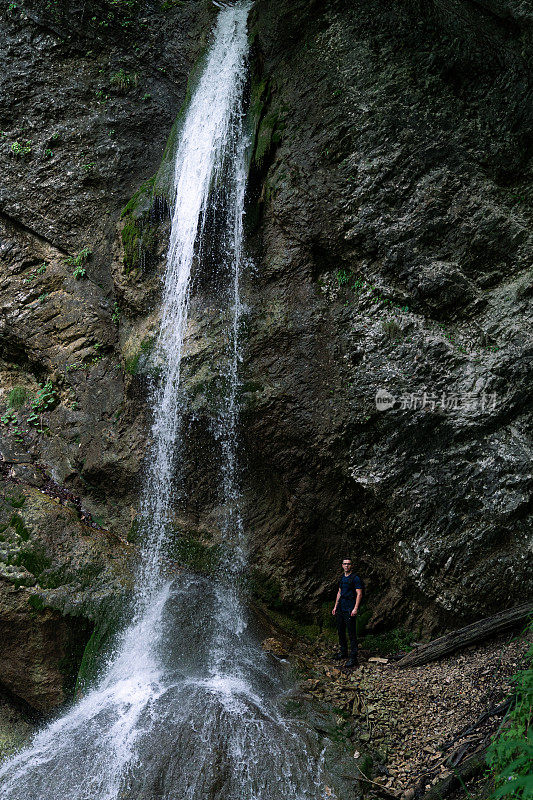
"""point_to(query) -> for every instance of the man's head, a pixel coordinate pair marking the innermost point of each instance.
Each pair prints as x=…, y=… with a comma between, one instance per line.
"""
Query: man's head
x=347, y=565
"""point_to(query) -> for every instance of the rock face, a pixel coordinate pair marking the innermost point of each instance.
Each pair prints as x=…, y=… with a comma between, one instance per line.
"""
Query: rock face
x=394, y=253
x=57, y=576
x=89, y=93
x=389, y=235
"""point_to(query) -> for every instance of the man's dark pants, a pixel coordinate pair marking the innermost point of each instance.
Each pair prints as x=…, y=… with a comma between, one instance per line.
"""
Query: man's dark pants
x=345, y=620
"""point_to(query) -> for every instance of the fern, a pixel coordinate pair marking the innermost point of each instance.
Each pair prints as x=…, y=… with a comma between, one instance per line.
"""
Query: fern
x=510, y=755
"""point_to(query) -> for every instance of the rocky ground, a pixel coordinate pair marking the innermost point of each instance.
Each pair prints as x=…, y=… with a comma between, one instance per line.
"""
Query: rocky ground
x=418, y=723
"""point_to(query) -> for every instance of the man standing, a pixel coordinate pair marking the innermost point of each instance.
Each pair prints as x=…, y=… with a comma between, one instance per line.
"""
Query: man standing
x=345, y=611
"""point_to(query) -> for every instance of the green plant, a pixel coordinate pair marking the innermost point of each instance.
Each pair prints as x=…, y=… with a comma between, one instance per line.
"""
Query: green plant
x=89, y=167
x=42, y=297
x=99, y=356
x=343, y=277
x=21, y=149
x=115, y=317
x=124, y=81
x=8, y=417
x=147, y=96
x=48, y=152
x=510, y=755
x=132, y=363
x=77, y=261
x=389, y=642
x=41, y=269
x=35, y=561
x=46, y=398
x=101, y=96
x=17, y=397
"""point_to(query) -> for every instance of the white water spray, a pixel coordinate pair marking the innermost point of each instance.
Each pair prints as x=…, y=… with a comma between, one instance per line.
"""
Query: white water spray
x=187, y=707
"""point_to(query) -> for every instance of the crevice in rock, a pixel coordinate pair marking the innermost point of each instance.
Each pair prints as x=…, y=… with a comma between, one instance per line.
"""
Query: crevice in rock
x=21, y=226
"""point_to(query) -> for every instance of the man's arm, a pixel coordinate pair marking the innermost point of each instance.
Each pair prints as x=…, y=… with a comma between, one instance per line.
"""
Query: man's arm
x=336, y=602
x=359, y=595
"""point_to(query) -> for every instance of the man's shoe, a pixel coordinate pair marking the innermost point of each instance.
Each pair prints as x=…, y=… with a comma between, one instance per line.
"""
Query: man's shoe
x=352, y=662
x=340, y=656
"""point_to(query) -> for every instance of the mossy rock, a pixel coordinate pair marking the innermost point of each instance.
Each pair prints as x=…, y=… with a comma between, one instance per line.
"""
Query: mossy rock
x=17, y=523
x=17, y=397
x=139, y=233
x=194, y=554
x=141, y=202
x=135, y=363
x=164, y=179
x=91, y=660
x=33, y=559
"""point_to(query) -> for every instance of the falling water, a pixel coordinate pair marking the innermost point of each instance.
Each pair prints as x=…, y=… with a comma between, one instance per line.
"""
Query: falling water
x=188, y=705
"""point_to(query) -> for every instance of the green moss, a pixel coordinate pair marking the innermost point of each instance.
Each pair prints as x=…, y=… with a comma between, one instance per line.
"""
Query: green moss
x=130, y=243
x=269, y=134
x=167, y=5
x=141, y=200
x=36, y=602
x=164, y=179
x=35, y=561
x=17, y=397
x=266, y=120
x=131, y=364
x=139, y=235
x=99, y=644
x=52, y=579
x=89, y=661
x=17, y=523
x=69, y=664
x=197, y=556
x=11, y=742
x=16, y=501
x=134, y=532
x=309, y=631
x=259, y=96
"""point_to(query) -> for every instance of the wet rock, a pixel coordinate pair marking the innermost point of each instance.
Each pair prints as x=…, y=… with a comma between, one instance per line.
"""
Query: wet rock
x=41, y=649
x=273, y=646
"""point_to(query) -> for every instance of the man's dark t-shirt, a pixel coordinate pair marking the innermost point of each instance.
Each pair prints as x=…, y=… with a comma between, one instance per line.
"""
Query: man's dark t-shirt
x=348, y=585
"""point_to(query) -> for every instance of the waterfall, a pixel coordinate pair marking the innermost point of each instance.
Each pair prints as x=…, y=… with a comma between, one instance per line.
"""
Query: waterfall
x=209, y=177
x=188, y=705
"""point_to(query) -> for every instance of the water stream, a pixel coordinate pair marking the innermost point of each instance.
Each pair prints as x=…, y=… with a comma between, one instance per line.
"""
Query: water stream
x=188, y=706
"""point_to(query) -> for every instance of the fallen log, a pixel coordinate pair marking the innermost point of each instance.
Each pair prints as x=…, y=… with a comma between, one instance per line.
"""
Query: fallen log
x=498, y=710
x=468, y=635
x=469, y=769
